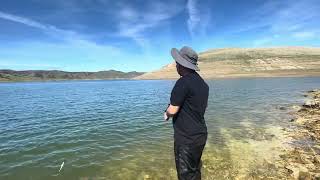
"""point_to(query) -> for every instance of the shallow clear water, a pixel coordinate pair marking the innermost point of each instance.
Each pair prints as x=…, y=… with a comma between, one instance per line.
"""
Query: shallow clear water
x=115, y=130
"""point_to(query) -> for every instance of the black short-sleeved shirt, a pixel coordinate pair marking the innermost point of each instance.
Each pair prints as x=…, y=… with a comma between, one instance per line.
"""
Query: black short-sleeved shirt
x=191, y=94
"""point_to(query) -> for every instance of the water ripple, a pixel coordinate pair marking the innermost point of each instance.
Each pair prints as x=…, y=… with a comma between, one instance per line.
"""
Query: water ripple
x=116, y=127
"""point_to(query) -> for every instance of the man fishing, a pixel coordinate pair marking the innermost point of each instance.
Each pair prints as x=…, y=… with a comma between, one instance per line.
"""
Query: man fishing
x=187, y=106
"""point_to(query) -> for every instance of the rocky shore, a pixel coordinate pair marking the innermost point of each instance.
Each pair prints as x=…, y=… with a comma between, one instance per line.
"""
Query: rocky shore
x=302, y=159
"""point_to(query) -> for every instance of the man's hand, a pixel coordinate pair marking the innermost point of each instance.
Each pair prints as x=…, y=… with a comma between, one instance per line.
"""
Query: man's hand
x=170, y=111
x=165, y=116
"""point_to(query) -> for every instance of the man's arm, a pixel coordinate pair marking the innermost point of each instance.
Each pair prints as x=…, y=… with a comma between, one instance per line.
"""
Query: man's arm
x=178, y=95
x=171, y=111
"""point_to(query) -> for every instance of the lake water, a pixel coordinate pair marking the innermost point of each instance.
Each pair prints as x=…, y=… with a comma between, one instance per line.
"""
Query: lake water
x=115, y=130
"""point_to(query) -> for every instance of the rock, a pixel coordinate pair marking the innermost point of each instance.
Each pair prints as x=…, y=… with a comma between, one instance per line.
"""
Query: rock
x=300, y=120
x=306, y=159
x=309, y=103
x=268, y=164
x=295, y=107
x=146, y=177
x=294, y=171
x=312, y=91
x=282, y=108
x=303, y=109
x=311, y=166
x=304, y=174
x=316, y=159
x=299, y=172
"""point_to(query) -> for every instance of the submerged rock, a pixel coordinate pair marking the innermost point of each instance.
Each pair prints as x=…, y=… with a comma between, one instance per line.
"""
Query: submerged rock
x=146, y=177
x=295, y=107
x=304, y=174
x=313, y=91
x=282, y=108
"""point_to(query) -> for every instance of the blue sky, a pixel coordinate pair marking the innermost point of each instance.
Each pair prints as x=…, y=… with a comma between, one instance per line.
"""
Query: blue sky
x=132, y=35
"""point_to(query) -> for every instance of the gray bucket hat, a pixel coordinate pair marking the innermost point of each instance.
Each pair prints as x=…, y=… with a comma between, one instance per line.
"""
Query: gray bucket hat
x=186, y=57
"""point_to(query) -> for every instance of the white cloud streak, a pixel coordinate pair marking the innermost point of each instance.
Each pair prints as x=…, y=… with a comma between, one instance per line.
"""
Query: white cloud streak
x=304, y=35
x=71, y=37
x=134, y=23
x=295, y=16
x=9, y=65
x=297, y=20
x=29, y=22
x=198, y=18
x=22, y=20
x=286, y=20
x=194, y=17
x=74, y=49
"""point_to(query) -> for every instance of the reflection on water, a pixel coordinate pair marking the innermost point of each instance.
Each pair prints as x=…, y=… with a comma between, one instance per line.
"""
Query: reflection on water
x=114, y=129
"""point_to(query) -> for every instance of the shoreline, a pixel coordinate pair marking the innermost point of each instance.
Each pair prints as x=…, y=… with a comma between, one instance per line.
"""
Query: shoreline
x=210, y=76
x=302, y=159
x=289, y=151
x=239, y=77
x=161, y=79
x=62, y=80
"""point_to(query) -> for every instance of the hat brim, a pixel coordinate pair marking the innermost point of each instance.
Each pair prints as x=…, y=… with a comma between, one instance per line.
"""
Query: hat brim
x=179, y=59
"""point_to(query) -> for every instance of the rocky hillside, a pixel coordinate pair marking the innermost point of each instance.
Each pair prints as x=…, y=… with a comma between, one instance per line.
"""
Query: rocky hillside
x=250, y=62
x=40, y=75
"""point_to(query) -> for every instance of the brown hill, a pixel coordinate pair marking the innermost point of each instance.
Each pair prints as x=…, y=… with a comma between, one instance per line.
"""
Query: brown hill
x=41, y=75
x=250, y=62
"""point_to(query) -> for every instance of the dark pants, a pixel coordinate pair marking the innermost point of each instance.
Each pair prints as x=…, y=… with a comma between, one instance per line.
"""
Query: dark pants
x=188, y=161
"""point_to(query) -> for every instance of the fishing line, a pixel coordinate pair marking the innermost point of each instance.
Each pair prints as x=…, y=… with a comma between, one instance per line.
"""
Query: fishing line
x=61, y=166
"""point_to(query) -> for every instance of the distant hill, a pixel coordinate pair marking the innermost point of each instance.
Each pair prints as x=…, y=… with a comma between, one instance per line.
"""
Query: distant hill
x=41, y=75
x=250, y=62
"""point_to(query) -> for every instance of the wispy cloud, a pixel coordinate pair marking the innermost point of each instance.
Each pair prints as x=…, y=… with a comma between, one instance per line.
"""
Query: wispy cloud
x=262, y=41
x=198, y=18
x=297, y=20
x=304, y=35
x=22, y=20
x=21, y=66
x=288, y=20
x=194, y=17
x=71, y=37
x=29, y=22
x=75, y=48
x=133, y=23
x=296, y=15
